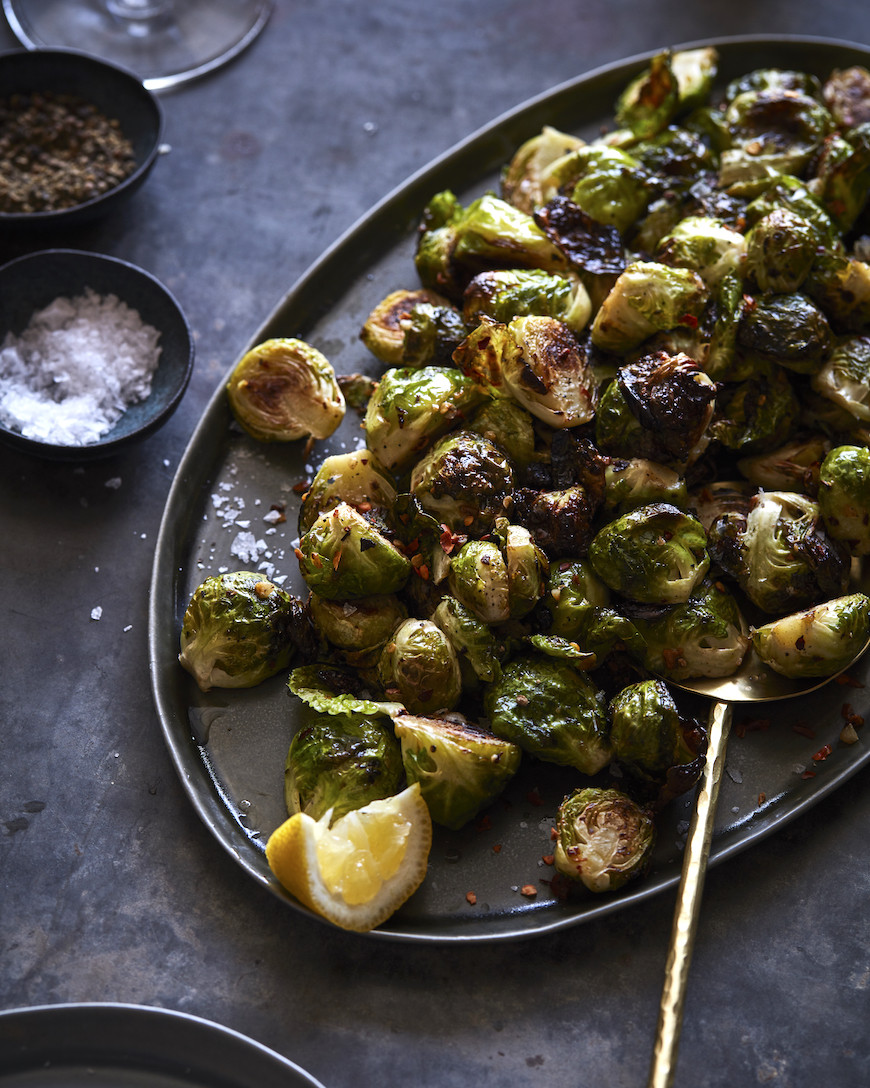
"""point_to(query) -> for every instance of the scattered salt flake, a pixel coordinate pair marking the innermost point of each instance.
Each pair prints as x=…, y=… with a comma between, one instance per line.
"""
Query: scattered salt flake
x=129, y=627
x=114, y=483
x=96, y=612
x=273, y=516
x=246, y=547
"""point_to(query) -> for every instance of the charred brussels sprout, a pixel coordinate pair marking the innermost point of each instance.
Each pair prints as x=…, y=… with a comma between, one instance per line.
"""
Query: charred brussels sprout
x=603, y=838
x=819, y=641
x=647, y=731
x=656, y=554
x=359, y=627
x=780, y=250
x=521, y=178
x=344, y=556
x=845, y=377
x=419, y=667
x=239, y=629
x=672, y=83
x=431, y=335
x=639, y=482
x=779, y=553
x=758, y=414
x=790, y=467
x=475, y=643
x=341, y=762
x=551, y=711
x=648, y=297
x=710, y=247
x=411, y=408
x=526, y=566
x=608, y=184
x=704, y=636
x=787, y=329
x=840, y=285
x=503, y=294
x=842, y=181
x=285, y=389
x=384, y=330
x=354, y=478
x=844, y=496
x=846, y=93
x=460, y=767
x=465, y=481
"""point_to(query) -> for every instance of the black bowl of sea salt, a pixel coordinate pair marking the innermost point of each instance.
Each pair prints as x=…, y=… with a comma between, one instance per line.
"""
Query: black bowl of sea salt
x=95, y=354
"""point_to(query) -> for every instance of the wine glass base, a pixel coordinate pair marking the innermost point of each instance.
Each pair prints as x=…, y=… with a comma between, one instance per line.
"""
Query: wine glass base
x=174, y=46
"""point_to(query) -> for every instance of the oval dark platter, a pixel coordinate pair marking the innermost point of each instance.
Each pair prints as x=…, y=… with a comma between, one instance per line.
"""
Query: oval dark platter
x=229, y=746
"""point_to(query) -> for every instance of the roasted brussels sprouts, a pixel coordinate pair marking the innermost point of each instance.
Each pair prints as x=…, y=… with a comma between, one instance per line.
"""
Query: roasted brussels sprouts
x=703, y=636
x=431, y=335
x=419, y=667
x=474, y=641
x=572, y=588
x=551, y=711
x=478, y=578
x=648, y=297
x=791, y=467
x=845, y=377
x=648, y=733
x=465, y=481
x=757, y=414
x=239, y=629
x=344, y=556
x=656, y=554
x=285, y=389
x=780, y=250
x=503, y=294
x=506, y=423
x=603, y=838
x=706, y=245
x=846, y=93
x=383, y=332
x=779, y=553
x=605, y=182
x=672, y=83
x=840, y=285
x=526, y=566
x=337, y=690
x=638, y=482
x=842, y=176
x=411, y=408
x=788, y=329
x=340, y=763
x=521, y=178
x=354, y=478
x=561, y=520
x=844, y=496
x=819, y=641
x=361, y=626
x=461, y=768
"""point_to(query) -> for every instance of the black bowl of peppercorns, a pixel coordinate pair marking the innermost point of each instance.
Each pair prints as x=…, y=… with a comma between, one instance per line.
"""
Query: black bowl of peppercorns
x=77, y=137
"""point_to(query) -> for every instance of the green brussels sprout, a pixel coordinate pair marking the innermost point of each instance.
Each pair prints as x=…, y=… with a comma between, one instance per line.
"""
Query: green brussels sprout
x=383, y=332
x=647, y=731
x=655, y=554
x=721, y=360
x=460, y=767
x=842, y=181
x=478, y=578
x=672, y=83
x=431, y=335
x=564, y=649
x=552, y=711
x=506, y=423
x=819, y=641
x=603, y=838
x=780, y=250
x=648, y=297
x=357, y=626
x=774, y=79
x=420, y=667
x=704, y=636
x=608, y=184
x=344, y=556
x=846, y=93
x=354, y=478
x=239, y=629
x=788, y=329
x=844, y=496
x=285, y=389
x=572, y=588
x=503, y=294
x=473, y=640
x=845, y=377
x=521, y=178
x=790, y=467
x=706, y=245
x=758, y=414
x=637, y=482
x=793, y=194
x=456, y=243
x=526, y=564
x=411, y=408
x=840, y=285
x=465, y=481
x=677, y=155
x=340, y=763
x=779, y=552
x=331, y=689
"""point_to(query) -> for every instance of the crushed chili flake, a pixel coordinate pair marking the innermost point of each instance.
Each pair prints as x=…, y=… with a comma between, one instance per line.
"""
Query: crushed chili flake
x=471, y=898
x=529, y=891
x=497, y=848
x=822, y=753
x=845, y=680
x=548, y=859
x=762, y=797
x=302, y=488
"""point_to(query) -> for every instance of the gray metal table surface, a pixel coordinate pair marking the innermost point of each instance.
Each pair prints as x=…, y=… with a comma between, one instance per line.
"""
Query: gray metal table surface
x=111, y=888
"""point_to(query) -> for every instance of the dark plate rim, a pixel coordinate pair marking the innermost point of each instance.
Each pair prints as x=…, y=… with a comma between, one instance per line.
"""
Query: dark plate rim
x=397, y=213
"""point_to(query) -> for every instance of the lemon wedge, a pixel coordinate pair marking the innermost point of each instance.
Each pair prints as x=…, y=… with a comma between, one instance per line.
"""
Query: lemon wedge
x=360, y=870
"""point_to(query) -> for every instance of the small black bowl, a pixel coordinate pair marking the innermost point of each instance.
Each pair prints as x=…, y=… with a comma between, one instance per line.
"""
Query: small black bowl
x=29, y=284
x=115, y=92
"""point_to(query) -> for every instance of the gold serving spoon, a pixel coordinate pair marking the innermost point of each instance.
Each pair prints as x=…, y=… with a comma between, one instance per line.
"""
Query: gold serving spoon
x=754, y=682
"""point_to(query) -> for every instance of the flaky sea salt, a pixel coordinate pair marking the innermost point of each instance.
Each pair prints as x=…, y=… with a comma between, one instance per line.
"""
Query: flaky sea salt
x=76, y=368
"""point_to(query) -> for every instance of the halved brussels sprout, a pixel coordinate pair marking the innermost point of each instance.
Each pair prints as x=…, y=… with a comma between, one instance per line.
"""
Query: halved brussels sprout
x=239, y=629
x=780, y=250
x=360, y=625
x=383, y=332
x=603, y=838
x=285, y=389
x=335, y=690
x=521, y=178
x=791, y=467
x=757, y=414
x=506, y=423
x=526, y=565
x=503, y=294
x=478, y=578
x=672, y=83
x=431, y=335
x=605, y=182
x=648, y=297
x=341, y=762
x=561, y=520
x=819, y=641
x=708, y=246
x=419, y=667
x=844, y=496
x=840, y=285
x=656, y=554
x=473, y=640
x=845, y=377
x=344, y=556
x=461, y=767
x=551, y=711
x=411, y=408
x=354, y=478
x=647, y=731
x=846, y=93
x=465, y=481
x=787, y=329
x=721, y=360
x=637, y=482
x=842, y=176
x=572, y=588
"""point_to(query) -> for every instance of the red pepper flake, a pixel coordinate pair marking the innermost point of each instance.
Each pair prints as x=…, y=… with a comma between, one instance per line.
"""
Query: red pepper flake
x=534, y=796
x=470, y=898
x=336, y=560
x=762, y=797
x=450, y=540
x=497, y=848
x=417, y=561
x=548, y=859
x=690, y=320
x=298, y=553
x=845, y=680
x=529, y=891
x=301, y=487
x=804, y=730
x=808, y=774
x=822, y=753
x=484, y=824
x=554, y=834
x=423, y=571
